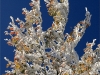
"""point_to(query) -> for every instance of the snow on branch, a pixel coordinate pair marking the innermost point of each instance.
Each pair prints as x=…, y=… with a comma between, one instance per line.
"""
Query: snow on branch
x=50, y=52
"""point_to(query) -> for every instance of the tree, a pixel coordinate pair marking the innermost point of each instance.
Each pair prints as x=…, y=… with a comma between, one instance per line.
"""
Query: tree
x=31, y=42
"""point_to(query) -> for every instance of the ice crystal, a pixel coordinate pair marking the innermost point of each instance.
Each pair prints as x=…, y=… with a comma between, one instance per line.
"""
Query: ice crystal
x=31, y=42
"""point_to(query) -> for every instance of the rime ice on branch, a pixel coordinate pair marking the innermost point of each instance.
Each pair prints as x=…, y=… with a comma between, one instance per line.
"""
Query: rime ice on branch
x=31, y=42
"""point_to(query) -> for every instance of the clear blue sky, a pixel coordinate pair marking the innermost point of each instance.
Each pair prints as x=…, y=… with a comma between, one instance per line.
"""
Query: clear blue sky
x=76, y=14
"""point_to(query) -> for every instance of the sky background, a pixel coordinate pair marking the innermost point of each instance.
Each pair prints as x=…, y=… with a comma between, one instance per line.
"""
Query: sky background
x=76, y=14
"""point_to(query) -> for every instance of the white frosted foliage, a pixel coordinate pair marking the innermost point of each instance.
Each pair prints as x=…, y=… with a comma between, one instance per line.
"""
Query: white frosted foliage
x=32, y=43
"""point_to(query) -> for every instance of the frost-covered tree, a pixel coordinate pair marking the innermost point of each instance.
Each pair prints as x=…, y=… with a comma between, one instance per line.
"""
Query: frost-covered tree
x=31, y=42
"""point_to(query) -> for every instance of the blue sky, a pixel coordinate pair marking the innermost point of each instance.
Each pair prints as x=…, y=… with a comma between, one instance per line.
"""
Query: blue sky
x=76, y=14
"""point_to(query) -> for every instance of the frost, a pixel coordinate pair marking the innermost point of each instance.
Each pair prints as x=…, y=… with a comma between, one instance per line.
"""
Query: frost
x=31, y=43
